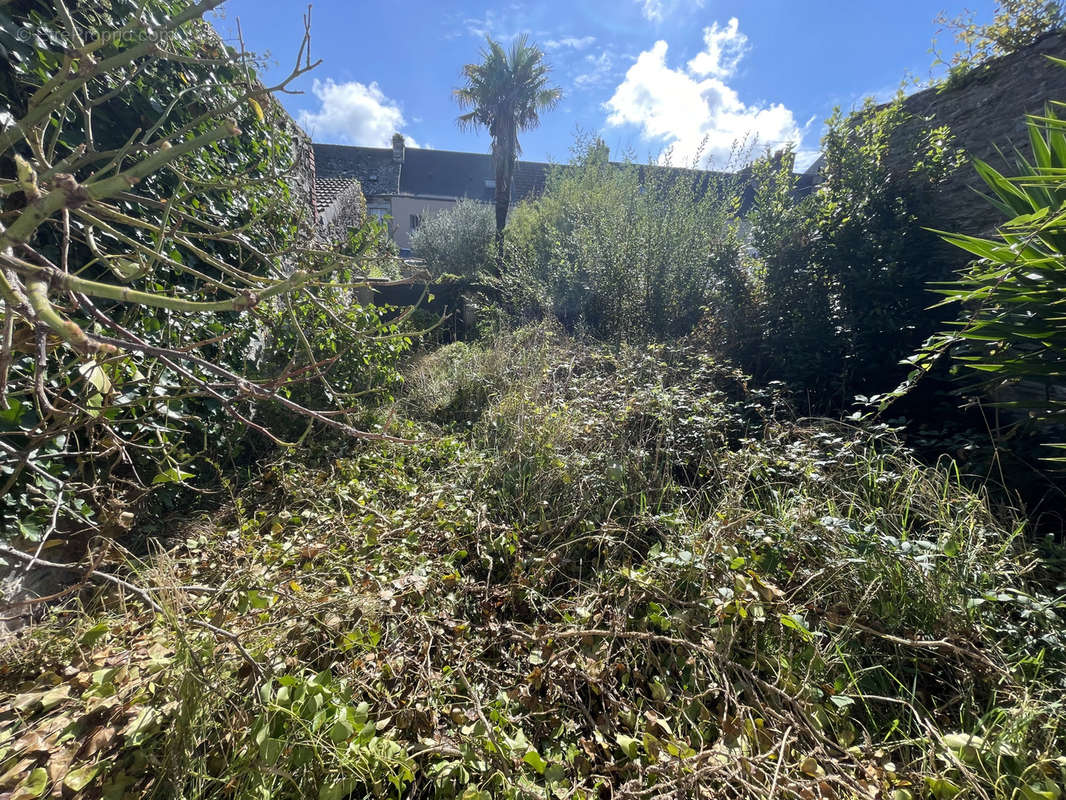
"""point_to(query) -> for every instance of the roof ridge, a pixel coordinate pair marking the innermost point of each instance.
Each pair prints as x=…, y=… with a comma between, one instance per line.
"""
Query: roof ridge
x=426, y=150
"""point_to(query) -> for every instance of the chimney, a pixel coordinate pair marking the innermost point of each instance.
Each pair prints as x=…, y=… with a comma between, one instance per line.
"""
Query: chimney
x=397, y=148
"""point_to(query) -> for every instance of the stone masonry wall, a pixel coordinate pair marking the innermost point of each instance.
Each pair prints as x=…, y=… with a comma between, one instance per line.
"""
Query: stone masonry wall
x=985, y=111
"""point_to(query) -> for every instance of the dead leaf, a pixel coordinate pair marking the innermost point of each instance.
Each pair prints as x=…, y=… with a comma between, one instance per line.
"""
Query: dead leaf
x=24, y=702
x=59, y=764
x=33, y=787
x=31, y=743
x=17, y=771
x=54, y=697
x=99, y=738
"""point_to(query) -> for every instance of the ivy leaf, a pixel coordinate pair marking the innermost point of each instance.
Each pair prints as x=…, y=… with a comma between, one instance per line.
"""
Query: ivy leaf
x=95, y=376
x=797, y=623
x=629, y=745
x=94, y=634
x=11, y=413
x=55, y=696
x=33, y=786
x=336, y=790
x=942, y=788
x=1044, y=790
x=172, y=475
x=555, y=773
x=534, y=759
x=341, y=731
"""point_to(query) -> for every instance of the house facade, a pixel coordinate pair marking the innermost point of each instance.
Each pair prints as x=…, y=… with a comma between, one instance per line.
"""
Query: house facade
x=405, y=185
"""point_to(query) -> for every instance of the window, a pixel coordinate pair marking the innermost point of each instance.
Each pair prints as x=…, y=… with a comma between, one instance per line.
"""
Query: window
x=416, y=220
x=490, y=184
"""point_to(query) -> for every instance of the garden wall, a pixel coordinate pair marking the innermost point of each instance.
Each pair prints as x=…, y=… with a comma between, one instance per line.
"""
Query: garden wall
x=986, y=112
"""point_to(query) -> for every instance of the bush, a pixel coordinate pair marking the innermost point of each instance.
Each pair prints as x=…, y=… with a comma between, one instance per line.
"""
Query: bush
x=625, y=250
x=144, y=248
x=1012, y=331
x=1015, y=24
x=633, y=576
x=844, y=268
x=458, y=240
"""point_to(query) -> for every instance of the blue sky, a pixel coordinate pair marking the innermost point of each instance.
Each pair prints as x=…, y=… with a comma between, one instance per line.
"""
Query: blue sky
x=646, y=75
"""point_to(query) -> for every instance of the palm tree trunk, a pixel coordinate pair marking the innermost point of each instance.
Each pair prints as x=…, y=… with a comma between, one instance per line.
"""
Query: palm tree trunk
x=503, y=157
x=503, y=200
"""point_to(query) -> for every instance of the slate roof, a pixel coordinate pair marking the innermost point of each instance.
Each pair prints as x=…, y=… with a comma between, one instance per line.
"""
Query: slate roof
x=447, y=173
x=529, y=179
x=423, y=172
x=444, y=173
x=373, y=167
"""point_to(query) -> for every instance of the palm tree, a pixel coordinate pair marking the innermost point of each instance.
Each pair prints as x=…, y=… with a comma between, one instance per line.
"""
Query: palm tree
x=505, y=94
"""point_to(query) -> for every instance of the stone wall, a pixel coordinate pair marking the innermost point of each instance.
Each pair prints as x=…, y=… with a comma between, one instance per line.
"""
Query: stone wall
x=985, y=110
x=302, y=177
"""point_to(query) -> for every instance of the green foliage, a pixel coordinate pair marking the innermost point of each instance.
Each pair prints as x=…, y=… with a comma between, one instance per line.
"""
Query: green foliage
x=457, y=240
x=144, y=247
x=506, y=94
x=843, y=268
x=371, y=243
x=628, y=251
x=1012, y=331
x=349, y=354
x=323, y=739
x=453, y=385
x=606, y=567
x=1015, y=24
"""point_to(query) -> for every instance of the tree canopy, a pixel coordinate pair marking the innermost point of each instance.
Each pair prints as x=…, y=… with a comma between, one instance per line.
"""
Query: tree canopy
x=505, y=93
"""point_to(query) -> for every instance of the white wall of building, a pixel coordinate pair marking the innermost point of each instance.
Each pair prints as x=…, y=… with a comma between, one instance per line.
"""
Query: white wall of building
x=404, y=207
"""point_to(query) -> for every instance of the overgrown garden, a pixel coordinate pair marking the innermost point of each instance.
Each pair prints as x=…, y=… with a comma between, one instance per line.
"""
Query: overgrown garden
x=633, y=537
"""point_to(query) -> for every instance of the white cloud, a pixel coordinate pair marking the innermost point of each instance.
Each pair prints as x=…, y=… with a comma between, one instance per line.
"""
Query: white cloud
x=692, y=111
x=653, y=9
x=354, y=113
x=725, y=47
x=572, y=42
x=596, y=70
x=658, y=10
x=494, y=25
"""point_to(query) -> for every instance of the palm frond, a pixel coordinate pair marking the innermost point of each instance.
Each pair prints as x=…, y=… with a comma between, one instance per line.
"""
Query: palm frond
x=509, y=85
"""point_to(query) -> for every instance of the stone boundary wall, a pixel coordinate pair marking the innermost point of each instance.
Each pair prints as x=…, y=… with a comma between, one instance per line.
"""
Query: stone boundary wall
x=985, y=111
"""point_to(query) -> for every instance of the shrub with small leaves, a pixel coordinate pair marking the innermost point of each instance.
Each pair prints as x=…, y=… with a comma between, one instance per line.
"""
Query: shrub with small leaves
x=844, y=266
x=1015, y=24
x=627, y=250
x=457, y=240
